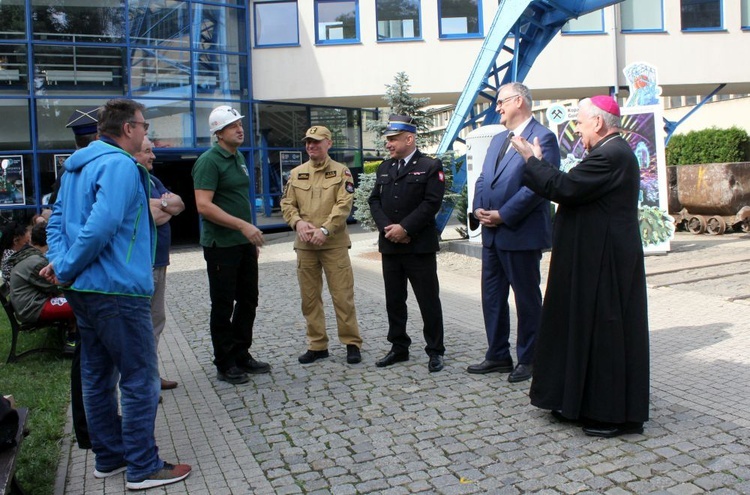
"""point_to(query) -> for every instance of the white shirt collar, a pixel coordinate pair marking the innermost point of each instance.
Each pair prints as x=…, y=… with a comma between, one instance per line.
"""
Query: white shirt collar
x=522, y=127
x=407, y=158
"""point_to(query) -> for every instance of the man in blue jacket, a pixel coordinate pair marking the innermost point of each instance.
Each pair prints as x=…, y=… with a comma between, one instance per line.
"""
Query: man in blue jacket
x=101, y=246
x=515, y=228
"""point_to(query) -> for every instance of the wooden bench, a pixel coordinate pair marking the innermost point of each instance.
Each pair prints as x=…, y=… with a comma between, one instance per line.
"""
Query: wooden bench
x=177, y=79
x=10, y=75
x=76, y=76
x=16, y=327
x=8, y=482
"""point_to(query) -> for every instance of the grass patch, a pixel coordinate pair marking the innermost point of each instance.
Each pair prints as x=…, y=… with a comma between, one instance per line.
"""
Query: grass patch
x=40, y=382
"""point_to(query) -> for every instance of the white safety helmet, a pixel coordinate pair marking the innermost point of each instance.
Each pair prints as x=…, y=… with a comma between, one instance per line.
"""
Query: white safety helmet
x=221, y=117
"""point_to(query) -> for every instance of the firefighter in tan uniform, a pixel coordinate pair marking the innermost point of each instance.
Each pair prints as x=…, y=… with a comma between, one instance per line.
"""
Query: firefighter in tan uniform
x=316, y=203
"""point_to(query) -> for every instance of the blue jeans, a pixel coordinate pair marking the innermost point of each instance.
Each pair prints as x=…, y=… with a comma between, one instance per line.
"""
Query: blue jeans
x=117, y=341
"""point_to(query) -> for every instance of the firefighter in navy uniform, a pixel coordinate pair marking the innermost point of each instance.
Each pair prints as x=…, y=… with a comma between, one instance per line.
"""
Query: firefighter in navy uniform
x=317, y=201
x=407, y=195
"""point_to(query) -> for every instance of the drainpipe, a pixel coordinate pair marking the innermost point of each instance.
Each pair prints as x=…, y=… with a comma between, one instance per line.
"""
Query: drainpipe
x=614, y=31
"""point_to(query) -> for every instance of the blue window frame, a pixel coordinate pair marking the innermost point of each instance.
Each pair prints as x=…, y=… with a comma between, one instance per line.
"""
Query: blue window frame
x=336, y=21
x=591, y=23
x=460, y=18
x=276, y=23
x=746, y=14
x=701, y=15
x=398, y=20
x=642, y=16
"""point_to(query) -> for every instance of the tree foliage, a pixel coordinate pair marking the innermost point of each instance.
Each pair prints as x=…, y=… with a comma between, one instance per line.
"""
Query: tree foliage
x=399, y=102
x=402, y=103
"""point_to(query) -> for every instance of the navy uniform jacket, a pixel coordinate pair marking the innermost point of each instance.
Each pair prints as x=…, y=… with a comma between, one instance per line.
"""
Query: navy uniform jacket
x=411, y=198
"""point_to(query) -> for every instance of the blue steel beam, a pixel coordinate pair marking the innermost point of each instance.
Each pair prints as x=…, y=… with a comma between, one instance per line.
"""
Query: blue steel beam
x=518, y=34
x=670, y=126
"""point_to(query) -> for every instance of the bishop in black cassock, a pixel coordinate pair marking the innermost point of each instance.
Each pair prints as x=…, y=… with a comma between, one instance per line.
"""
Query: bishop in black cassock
x=592, y=357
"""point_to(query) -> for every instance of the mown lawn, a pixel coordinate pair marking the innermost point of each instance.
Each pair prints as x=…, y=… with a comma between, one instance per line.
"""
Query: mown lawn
x=40, y=382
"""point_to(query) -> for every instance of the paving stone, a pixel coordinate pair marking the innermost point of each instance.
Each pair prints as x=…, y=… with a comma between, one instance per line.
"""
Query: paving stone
x=335, y=428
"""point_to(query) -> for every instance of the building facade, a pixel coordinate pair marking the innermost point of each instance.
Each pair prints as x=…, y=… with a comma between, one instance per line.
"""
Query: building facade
x=289, y=64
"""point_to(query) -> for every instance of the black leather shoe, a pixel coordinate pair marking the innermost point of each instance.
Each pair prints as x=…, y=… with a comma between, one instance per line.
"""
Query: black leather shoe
x=254, y=367
x=312, y=356
x=488, y=366
x=610, y=430
x=391, y=358
x=436, y=363
x=233, y=375
x=353, y=356
x=521, y=373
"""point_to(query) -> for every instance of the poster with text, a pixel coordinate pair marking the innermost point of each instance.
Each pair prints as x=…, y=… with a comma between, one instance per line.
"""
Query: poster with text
x=12, y=190
x=59, y=161
x=641, y=128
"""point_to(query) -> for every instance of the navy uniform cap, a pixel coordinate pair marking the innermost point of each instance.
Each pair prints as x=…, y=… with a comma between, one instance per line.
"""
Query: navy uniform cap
x=84, y=120
x=398, y=124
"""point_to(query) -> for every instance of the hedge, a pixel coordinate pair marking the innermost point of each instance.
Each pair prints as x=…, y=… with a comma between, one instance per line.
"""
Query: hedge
x=709, y=146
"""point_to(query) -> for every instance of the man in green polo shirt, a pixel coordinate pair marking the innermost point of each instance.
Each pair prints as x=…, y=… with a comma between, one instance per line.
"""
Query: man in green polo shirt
x=231, y=244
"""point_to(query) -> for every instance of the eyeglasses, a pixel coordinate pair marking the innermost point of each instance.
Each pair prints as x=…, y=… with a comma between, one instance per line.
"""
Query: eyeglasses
x=145, y=124
x=501, y=102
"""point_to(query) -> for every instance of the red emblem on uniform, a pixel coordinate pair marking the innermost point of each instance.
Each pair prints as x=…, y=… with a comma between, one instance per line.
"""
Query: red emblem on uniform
x=347, y=173
x=441, y=176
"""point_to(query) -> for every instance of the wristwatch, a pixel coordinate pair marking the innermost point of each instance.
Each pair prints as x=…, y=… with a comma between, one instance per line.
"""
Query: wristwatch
x=164, y=203
x=325, y=231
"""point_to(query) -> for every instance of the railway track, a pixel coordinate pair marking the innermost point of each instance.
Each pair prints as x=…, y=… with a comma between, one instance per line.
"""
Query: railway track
x=729, y=279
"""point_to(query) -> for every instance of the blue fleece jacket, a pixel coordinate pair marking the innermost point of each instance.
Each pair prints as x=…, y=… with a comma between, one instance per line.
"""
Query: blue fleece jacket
x=101, y=234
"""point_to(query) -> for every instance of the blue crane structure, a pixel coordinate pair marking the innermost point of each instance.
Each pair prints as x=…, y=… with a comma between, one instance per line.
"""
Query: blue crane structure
x=518, y=34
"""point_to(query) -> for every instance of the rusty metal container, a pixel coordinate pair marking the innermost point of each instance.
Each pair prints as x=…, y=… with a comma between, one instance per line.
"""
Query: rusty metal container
x=674, y=201
x=714, y=188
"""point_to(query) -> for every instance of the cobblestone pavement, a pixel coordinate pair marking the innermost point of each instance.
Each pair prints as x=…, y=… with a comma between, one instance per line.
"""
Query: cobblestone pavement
x=335, y=428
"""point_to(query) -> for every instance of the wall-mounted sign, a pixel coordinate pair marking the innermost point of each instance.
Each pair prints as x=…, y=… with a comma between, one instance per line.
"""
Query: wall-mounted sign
x=287, y=161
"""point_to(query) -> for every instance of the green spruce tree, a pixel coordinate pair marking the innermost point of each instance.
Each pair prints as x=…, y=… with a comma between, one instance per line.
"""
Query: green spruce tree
x=399, y=102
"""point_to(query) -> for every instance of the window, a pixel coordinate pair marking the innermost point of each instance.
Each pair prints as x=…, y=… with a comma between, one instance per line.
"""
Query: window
x=14, y=68
x=700, y=14
x=59, y=69
x=99, y=22
x=745, y=14
x=167, y=24
x=642, y=15
x=460, y=18
x=276, y=24
x=398, y=20
x=593, y=22
x=336, y=21
x=12, y=20
x=218, y=29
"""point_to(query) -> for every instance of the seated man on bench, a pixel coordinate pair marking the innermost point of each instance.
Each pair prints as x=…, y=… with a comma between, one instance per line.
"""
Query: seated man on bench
x=34, y=299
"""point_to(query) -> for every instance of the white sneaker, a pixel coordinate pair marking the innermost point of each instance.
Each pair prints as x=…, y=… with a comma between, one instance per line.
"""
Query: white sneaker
x=106, y=474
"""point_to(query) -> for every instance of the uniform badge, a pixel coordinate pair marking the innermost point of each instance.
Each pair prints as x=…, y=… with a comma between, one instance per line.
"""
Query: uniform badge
x=441, y=176
x=244, y=169
x=330, y=173
x=347, y=173
x=350, y=187
x=303, y=176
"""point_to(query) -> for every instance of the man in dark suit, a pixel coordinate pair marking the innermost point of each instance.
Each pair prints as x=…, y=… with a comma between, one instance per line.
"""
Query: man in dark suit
x=515, y=228
x=407, y=195
x=592, y=361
